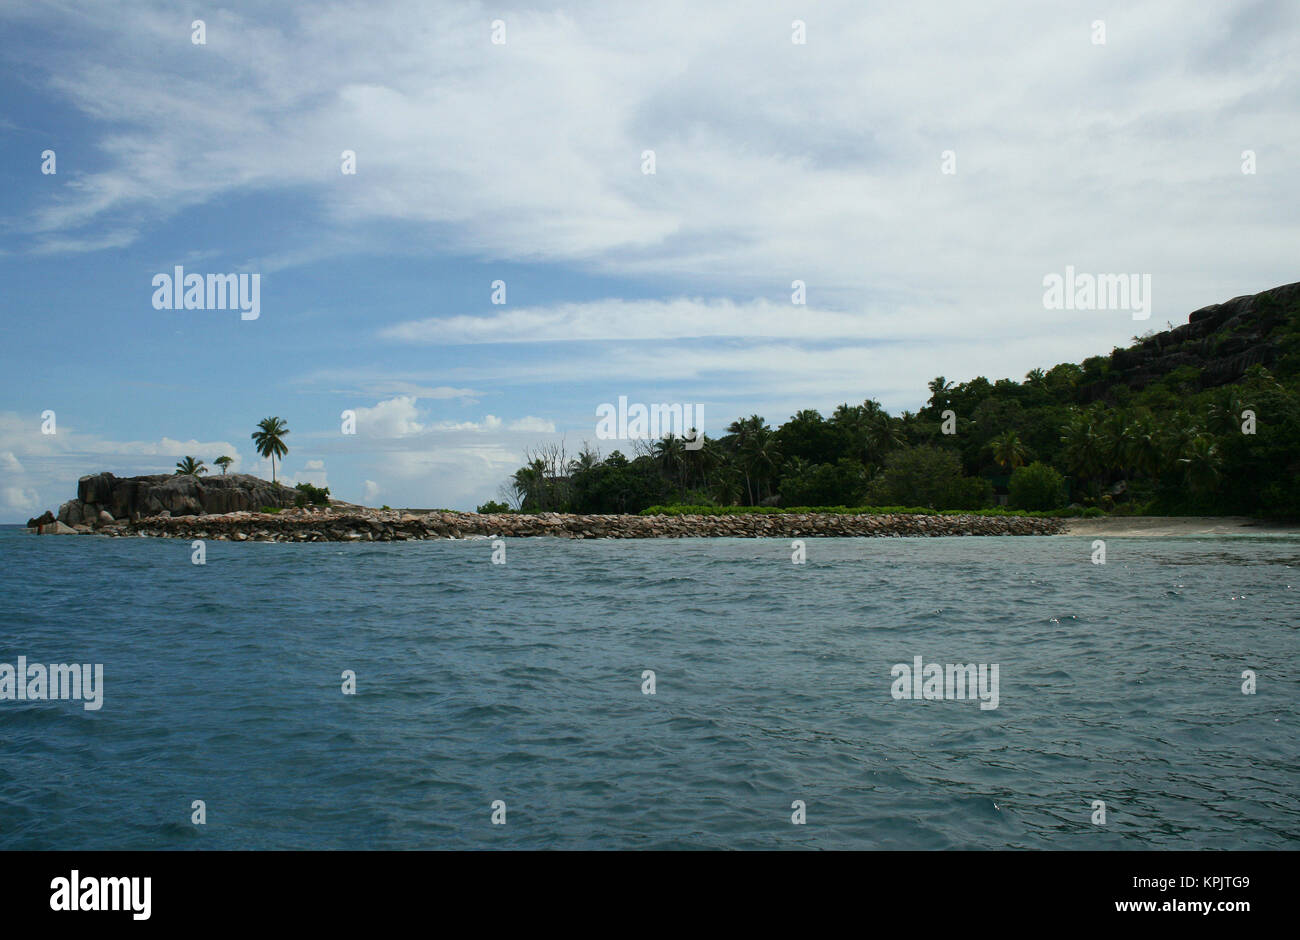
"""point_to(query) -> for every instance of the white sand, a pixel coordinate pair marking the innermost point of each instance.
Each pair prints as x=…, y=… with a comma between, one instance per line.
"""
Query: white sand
x=1120, y=526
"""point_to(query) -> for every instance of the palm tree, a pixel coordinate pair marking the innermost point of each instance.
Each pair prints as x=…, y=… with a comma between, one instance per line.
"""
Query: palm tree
x=728, y=487
x=1144, y=445
x=1112, y=433
x=269, y=440
x=190, y=466
x=1175, y=441
x=883, y=435
x=1224, y=417
x=1202, y=464
x=224, y=463
x=586, y=460
x=939, y=391
x=742, y=432
x=1082, y=446
x=669, y=452
x=759, y=457
x=1008, y=451
x=529, y=484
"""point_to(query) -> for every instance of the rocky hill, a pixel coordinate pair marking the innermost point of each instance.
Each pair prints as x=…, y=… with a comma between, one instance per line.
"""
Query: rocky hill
x=1220, y=342
x=103, y=498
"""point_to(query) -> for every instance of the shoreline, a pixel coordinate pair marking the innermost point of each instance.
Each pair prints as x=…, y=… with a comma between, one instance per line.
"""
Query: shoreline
x=356, y=524
x=350, y=523
x=1177, y=526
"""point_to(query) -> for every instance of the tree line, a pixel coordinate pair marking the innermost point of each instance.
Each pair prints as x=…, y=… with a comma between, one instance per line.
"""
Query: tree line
x=1073, y=435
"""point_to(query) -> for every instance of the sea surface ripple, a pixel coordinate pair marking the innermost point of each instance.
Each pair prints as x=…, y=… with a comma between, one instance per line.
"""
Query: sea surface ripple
x=522, y=682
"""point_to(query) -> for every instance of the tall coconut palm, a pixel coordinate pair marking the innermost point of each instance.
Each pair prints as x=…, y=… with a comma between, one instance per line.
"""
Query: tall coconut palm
x=883, y=435
x=269, y=440
x=1202, y=465
x=669, y=453
x=759, y=457
x=529, y=484
x=1175, y=441
x=1144, y=445
x=1082, y=447
x=224, y=463
x=940, y=388
x=586, y=460
x=1008, y=451
x=189, y=465
x=728, y=485
x=742, y=433
x=1112, y=437
x=1224, y=414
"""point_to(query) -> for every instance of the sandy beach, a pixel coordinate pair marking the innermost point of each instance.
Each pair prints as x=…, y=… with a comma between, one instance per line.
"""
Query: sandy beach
x=1165, y=526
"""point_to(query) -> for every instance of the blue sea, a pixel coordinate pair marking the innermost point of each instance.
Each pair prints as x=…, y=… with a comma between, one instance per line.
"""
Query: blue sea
x=523, y=683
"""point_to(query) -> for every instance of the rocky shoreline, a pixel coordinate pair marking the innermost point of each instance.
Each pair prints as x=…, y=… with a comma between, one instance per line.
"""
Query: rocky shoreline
x=233, y=508
x=354, y=524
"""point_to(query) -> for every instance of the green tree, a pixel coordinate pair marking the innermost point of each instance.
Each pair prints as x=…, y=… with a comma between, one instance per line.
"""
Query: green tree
x=1202, y=465
x=190, y=466
x=925, y=475
x=1144, y=445
x=1037, y=486
x=750, y=442
x=1008, y=451
x=529, y=484
x=224, y=463
x=269, y=440
x=1082, y=446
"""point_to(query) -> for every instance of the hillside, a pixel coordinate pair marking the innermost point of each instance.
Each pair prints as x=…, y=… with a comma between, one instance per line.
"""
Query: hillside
x=1201, y=419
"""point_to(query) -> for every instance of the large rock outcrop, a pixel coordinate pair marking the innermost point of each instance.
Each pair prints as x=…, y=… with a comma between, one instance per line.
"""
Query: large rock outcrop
x=103, y=499
x=1221, y=341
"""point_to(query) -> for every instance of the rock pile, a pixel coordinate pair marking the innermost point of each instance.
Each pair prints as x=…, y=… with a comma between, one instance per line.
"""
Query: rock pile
x=371, y=525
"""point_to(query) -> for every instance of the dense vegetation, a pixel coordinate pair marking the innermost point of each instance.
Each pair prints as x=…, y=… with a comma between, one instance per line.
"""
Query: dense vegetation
x=315, y=495
x=1204, y=419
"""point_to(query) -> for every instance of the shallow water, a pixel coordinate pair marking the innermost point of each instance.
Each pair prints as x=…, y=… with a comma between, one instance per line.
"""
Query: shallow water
x=523, y=683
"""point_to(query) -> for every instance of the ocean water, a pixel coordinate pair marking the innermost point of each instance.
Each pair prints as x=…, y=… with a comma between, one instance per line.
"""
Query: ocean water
x=523, y=683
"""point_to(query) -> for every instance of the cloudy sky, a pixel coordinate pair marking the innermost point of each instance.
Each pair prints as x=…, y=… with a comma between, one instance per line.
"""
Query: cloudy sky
x=522, y=161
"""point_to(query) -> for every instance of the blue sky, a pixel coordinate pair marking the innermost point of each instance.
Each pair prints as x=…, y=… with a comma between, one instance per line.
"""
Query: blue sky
x=522, y=162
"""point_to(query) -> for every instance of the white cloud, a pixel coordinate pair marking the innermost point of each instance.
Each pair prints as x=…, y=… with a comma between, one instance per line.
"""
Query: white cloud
x=774, y=161
x=312, y=471
x=17, y=498
x=393, y=418
x=537, y=425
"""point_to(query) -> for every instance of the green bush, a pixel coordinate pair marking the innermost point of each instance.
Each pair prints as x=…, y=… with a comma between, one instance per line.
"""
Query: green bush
x=492, y=506
x=676, y=510
x=316, y=495
x=929, y=476
x=1037, y=486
